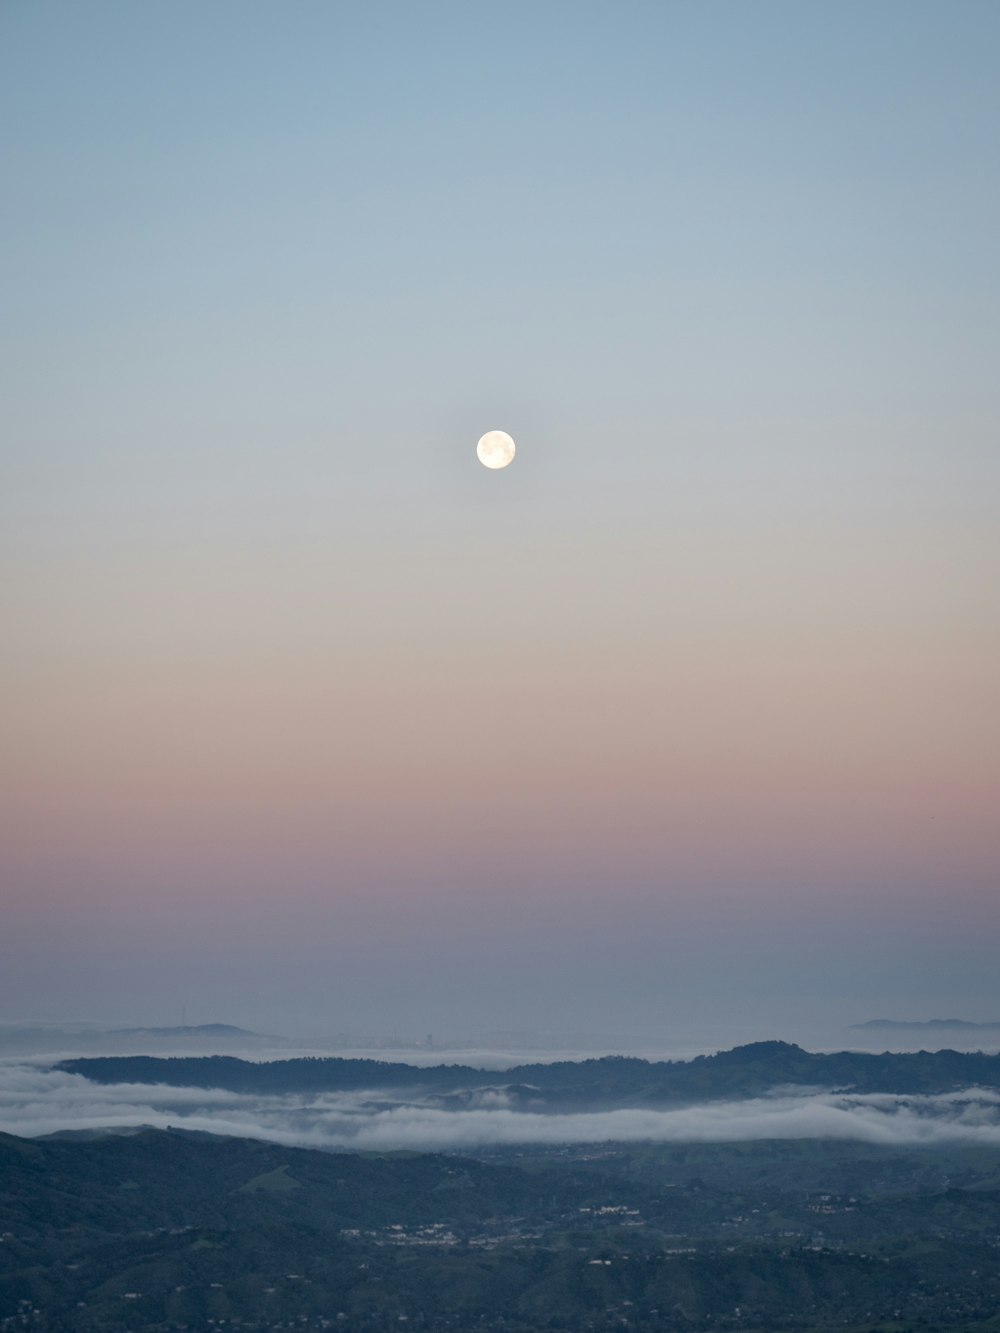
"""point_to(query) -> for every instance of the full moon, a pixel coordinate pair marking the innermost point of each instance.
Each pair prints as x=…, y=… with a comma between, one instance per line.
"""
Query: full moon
x=495, y=449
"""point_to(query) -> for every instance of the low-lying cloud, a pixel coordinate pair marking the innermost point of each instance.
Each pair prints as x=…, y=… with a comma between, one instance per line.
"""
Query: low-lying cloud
x=35, y=1100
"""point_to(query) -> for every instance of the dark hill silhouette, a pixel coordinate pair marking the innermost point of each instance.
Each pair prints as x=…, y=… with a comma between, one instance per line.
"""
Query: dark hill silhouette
x=745, y=1071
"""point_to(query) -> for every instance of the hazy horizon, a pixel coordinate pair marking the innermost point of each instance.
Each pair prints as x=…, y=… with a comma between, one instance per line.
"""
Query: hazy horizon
x=45, y=1044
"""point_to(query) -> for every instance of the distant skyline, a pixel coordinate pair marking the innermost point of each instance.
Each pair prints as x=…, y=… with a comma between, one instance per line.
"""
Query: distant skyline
x=691, y=716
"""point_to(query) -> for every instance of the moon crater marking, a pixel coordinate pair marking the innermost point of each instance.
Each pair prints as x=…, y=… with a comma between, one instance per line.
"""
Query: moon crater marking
x=495, y=449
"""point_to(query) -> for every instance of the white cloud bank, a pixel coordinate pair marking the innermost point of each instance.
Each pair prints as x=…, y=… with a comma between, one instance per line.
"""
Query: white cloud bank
x=38, y=1100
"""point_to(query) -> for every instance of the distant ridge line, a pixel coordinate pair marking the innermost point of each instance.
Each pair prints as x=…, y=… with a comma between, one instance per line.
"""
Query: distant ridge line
x=744, y=1071
x=187, y=1030
x=916, y=1024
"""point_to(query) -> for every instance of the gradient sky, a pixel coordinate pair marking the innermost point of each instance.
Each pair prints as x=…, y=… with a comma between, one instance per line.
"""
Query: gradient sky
x=311, y=722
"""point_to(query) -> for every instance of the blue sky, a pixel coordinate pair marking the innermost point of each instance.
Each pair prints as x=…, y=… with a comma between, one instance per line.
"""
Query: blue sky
x=726, y=631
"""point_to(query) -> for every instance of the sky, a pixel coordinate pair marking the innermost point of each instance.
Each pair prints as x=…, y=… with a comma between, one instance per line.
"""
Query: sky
x=686, y=719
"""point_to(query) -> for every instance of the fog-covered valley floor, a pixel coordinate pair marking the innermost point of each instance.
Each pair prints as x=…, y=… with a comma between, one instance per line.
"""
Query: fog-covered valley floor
x=37, y=1098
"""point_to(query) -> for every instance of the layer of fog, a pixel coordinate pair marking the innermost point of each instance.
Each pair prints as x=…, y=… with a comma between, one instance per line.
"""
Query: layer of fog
x=36, y=1099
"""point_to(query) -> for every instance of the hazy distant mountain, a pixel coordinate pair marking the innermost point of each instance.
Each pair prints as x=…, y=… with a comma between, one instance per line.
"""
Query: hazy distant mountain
x=42, y=1039
x=612, y=1081
x=917, y=1024
x=212, y=1030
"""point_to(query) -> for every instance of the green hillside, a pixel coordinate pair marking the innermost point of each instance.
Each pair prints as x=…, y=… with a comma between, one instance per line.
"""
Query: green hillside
x=175, y=1231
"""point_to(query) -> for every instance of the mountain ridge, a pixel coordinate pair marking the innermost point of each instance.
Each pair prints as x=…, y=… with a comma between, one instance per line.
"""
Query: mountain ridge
x=745, y=1071
x=165, y=1230
x=918, y=1024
